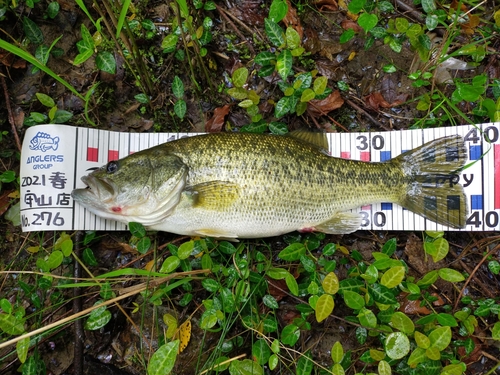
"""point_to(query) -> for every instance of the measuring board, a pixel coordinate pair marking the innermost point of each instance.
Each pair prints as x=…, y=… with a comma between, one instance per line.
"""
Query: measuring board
x=55, y=157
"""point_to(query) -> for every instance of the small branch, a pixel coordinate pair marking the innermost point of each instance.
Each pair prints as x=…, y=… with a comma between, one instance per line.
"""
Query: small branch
x=9, y=112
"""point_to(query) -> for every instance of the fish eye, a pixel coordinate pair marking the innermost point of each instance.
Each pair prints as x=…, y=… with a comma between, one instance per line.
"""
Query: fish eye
x=112, y=167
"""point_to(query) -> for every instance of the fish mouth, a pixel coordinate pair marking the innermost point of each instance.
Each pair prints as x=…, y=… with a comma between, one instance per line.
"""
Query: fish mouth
x=103, y=190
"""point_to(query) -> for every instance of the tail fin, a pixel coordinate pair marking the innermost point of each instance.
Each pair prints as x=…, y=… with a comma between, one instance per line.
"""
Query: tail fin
x=433, y=189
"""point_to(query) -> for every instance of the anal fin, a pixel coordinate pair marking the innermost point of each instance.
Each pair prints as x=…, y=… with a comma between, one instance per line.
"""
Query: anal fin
x=341, y=223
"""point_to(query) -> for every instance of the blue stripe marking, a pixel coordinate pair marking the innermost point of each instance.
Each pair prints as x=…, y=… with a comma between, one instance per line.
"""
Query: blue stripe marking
x=386, y=206
x=385, y=155
x=476, y=202
x=475, y=152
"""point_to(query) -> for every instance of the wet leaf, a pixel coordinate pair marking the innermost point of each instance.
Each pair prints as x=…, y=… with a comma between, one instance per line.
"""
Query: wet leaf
x=170, y=264
x=278, y=128
x=98, y=318
x=292, y=252
x=397, y=345
x=265, y=58
x=382, y=294
x=163, y=360
x=274, y=33
x=185, y=250
x=284, y=64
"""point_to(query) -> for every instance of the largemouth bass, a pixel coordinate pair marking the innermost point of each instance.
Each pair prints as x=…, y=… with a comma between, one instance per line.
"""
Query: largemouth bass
x=231, y=185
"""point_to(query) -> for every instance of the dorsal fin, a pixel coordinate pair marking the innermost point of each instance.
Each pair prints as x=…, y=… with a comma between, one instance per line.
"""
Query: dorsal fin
x=316, y=139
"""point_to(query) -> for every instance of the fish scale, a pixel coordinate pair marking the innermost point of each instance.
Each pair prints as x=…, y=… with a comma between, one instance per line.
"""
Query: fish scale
x=253, y=185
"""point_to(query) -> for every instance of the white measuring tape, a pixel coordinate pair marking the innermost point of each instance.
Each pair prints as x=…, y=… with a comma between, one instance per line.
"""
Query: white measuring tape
x=55, y=157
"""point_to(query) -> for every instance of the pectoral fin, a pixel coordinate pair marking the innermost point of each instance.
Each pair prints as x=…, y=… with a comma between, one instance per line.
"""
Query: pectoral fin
x=214, y=195
x=342, y=223
x=217, y=234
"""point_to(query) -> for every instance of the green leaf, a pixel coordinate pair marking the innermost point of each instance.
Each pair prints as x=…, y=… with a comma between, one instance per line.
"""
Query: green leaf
x=382, y=294
x=495, y=331
x=105, y=61
x=278, y=10
x=274, y=33
x=255, y=127
x=384, y=368
x=284, y=64
x=98, y=318
x=440, y=338
x=32, y=31
x=347, y=35
x=401, y=322
x=238, y=93
x=42, y=54
x=367, y=21
x=494, y=267
x=355, y=6
x=22, y=348
x=428, y=6
x=451, y=275
x=61, y=116
x=402, y=24
x=278, y=128
x=290, y=335
x=324, y=307
x=261, y=351
x=416, y=357
x=282, y=107
x=55, y=259
x=245, y=367
x=305, y=364
x=441, y=249
x=307, y=95
x=393, y=277
x=367, y=318
x=422, y=340
x=277, y=273
x=319, y=85
x=227, y=247
x=390, y=246
x=137, y=229
x=163, y=360
x=331, y=283
x=180, y=108
x=178, y=88
x=447, y=320
x=11, y=325
x=169, y=43
x=53, y=9
x=67, y=247
x=240, y=77
x=185, y=250
x=428, y=279
x=270, y=301
x=143, y=245
x=292, y=38
x=337, y=352
x=397, y=345
x=170, y=264
x=265, y=58
x=45, y=100
x=431, y=21
x=354, y=300
x=292, y=252
x=292, y=285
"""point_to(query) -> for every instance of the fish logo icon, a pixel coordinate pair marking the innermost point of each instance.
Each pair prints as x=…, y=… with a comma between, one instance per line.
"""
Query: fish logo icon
x=44, y=142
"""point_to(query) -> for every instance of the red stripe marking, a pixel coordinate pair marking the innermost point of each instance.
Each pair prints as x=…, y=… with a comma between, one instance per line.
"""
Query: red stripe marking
x=92, y=154
x=365, y=156
x=112, y=155
x=345, y=155
x=367, y=208
x=496, y=153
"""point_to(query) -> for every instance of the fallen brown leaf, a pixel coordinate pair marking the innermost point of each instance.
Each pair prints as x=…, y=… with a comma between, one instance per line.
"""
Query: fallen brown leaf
x=5, y=201
x=375, y=100
x=327, y=5
x=347, y=24
x=414, y=308
x=215, y=124
x=317, y=108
